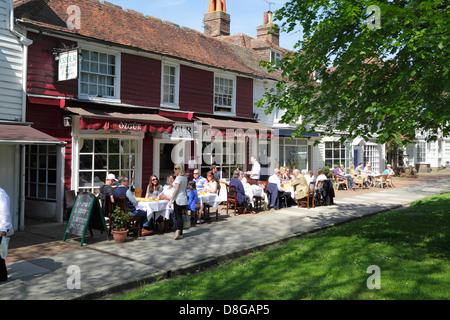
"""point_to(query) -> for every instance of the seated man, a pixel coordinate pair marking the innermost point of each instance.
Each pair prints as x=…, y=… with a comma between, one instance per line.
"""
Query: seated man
x=123, y=191
x=349, y=178
x=199, y=180
x=106, y=191
x=300, y=185
x=236, y=181
x=276, y=179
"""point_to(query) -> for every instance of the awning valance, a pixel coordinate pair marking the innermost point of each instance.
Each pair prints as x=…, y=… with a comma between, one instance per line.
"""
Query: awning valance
x=224, y=127
x=98, y=119
x=24, y=134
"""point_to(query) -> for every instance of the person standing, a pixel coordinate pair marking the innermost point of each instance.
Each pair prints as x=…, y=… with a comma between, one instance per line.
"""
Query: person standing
x=5, y=227
x=179, y=200
x=255, y=174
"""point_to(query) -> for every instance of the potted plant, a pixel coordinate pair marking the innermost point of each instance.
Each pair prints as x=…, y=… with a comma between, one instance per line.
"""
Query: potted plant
x=119, y=224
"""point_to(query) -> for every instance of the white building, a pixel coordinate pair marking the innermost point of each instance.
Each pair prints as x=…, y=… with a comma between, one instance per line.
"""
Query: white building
x=427, y=155
x=15, y=133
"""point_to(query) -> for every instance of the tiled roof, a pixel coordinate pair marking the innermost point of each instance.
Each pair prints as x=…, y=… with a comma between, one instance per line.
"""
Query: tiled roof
x=107, y=22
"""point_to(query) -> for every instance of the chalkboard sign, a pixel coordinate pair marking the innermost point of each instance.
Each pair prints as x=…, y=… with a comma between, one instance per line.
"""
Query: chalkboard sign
x=86, y=213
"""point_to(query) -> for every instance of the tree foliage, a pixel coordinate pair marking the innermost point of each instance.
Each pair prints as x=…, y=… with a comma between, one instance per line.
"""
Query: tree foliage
x=382, y=82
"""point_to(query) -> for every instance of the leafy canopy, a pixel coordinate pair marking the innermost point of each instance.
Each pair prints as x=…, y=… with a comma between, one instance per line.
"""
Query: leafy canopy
x=369, y=82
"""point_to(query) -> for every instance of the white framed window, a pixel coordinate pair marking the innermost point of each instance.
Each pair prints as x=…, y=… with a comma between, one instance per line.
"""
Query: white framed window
x=336, y=154
x=99, y=74
x=422, y=152
x=275, y=57
x=447, y=149
x=41, y=172
x=99, y=156
x=170, y=76
x=372, y=155
x=224, y=94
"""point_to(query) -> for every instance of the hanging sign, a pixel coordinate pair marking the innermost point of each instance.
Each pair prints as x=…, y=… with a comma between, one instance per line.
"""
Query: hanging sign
x=68, y=65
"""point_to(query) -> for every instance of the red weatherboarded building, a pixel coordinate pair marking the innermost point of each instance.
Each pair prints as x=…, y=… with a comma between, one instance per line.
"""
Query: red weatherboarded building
x=141, y=88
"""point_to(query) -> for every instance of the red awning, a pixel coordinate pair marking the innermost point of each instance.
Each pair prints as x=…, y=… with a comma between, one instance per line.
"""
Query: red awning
x=24, y=134
x=98, y=119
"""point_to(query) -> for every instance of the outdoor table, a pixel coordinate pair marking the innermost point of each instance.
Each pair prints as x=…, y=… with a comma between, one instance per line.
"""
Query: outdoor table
x=252, y=190
x=211, y=199
x=154, y=208
x=289, y=188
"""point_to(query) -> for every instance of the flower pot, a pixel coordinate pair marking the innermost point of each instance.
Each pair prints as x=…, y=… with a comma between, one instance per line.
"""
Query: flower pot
x=119, y=235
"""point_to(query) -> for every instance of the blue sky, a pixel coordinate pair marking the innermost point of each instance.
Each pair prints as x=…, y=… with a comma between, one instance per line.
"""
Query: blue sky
x=246, y=15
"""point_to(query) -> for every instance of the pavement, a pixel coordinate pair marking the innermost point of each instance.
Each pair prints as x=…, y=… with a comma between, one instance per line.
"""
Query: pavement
x=41, y=266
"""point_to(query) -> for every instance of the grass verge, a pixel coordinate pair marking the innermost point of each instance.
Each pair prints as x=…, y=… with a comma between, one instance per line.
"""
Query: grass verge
x=411, y=248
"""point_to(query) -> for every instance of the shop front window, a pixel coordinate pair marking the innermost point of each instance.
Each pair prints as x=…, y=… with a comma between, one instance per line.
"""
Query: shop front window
x=293, y=154
x=40, y=172
x=98, y=157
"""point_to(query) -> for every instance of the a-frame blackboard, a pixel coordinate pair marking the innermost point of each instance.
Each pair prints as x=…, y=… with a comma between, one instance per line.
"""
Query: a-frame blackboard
x=86, y=213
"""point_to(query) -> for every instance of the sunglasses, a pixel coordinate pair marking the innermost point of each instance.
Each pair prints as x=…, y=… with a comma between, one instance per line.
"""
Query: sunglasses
x=176, y=168
x=155, y=179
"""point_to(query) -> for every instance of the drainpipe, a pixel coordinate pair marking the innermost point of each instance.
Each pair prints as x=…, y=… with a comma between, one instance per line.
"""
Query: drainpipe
x=22, y=189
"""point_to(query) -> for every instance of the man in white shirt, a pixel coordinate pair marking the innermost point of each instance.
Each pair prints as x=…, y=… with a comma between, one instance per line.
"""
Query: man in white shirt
x=255, y=174
x=275, y=178
x=5, y=226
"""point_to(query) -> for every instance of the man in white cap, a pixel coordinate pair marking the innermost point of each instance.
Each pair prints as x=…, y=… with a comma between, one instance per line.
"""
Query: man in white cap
x=5, y=226
x=107, y=190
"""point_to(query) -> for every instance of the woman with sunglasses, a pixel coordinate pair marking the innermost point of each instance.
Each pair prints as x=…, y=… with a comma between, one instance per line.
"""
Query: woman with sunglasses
x=179, y=200
x=153, y=188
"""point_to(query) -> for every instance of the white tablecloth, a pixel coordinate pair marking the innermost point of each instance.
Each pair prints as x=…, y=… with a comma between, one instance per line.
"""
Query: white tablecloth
x=211, y=199
x=155, y=209
x=250, y=190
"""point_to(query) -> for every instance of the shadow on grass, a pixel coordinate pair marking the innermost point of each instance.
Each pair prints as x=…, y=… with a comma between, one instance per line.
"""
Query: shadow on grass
x=411, y=250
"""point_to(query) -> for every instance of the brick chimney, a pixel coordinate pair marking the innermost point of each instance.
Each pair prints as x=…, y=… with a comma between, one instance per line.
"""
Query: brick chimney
x=217, y=20
x=262, y=32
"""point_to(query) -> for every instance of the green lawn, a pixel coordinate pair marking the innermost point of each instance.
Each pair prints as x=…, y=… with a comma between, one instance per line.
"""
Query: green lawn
x=411, y=247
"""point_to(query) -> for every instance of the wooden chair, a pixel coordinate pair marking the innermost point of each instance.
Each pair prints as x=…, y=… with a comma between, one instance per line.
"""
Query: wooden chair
x=69, y=202
x=389, y=181
x=138, y=193
x=260, y=199
x=380, y=181
x=310, y=199
x=249, y=181
x=338, y=182
x=360, y=181
x=232, y=197
x=134, y=223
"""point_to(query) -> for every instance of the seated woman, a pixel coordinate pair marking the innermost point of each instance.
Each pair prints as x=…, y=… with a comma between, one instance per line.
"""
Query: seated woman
x=168, y=189
x=211, y=185
x=320, y=179
x=285, y=173
x=153, y=188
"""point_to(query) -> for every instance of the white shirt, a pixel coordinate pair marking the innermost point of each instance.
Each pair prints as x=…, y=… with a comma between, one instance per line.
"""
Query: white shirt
x=275, y=179
x=256, y=171
x=181, y=196
x=5, y=213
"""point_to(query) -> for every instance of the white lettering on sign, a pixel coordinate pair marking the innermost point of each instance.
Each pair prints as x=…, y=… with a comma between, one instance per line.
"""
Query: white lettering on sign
x=130, y=126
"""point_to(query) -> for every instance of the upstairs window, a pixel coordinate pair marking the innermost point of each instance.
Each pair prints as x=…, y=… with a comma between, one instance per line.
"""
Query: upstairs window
x=99, y=75
x=275, y=57
x=224, y=94
x=169, y=85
